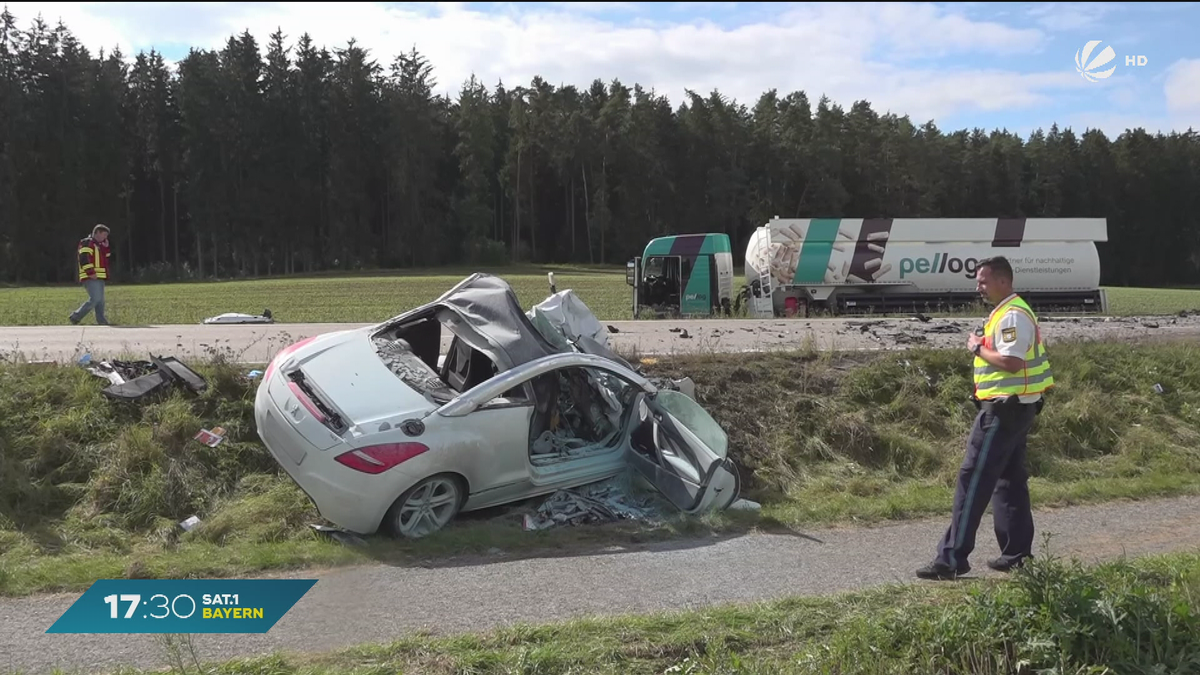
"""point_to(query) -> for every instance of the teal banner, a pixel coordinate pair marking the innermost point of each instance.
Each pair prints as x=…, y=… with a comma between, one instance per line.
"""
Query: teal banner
x=182, y=606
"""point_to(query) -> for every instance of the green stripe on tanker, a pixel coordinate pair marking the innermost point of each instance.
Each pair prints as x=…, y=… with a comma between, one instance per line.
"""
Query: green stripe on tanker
x=816, y=250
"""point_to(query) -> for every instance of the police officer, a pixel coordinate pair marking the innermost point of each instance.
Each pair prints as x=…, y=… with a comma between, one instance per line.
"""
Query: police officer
x=1011, y=373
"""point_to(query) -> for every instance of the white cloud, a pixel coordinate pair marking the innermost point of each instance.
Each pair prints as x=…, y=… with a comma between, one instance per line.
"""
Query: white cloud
x=1113, y=124
x=600, y=7
x=1182, y=88
x=893, y=55
x=1057, y=16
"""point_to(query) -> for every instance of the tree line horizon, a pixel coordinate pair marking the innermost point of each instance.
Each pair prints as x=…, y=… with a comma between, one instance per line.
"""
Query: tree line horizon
x=309, y=159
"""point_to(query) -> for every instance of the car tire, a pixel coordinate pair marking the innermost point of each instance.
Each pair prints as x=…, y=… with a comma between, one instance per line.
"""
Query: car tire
x=426, y=507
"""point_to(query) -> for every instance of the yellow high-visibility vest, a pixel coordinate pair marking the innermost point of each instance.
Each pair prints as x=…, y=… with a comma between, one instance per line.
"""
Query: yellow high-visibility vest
x=992, y=382
x=93, y=257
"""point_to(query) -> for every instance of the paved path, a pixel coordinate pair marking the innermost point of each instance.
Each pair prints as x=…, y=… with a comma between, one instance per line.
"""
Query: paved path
x=257, y=343
x=372, y=604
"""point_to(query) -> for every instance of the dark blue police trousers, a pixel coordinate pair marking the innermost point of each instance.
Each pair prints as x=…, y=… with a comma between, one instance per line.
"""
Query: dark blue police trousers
x=993, y=467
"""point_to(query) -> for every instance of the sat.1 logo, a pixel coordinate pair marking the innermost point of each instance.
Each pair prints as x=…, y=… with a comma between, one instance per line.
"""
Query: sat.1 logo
x=1088, y=69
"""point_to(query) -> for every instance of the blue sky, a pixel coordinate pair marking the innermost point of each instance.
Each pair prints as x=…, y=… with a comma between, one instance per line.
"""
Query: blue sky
x=963, y=65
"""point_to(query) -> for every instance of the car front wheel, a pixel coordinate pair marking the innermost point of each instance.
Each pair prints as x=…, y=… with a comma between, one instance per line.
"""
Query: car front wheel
x=426, y=507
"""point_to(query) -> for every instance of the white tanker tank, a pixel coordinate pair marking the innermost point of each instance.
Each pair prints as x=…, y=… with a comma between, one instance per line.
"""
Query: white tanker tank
x=853, y=265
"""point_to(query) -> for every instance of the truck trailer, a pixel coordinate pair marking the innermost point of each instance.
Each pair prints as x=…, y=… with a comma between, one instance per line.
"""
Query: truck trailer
x=863, y=265
x=859, y=265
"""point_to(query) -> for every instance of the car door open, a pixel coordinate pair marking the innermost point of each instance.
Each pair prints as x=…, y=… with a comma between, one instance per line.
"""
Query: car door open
x=681, y=450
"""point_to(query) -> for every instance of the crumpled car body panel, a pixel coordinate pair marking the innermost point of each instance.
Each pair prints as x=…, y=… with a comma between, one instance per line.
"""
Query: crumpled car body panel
x=521, y=405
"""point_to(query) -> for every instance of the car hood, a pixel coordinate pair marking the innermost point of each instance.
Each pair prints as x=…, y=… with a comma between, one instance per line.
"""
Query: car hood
x=351, y=377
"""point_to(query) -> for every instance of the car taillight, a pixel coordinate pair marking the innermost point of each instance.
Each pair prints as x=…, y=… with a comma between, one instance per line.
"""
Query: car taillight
x=306, y=402
x=283, y=354
x=380, y=458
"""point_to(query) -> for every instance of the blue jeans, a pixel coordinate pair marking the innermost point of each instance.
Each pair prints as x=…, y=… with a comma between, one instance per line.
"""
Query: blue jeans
x=95, y=291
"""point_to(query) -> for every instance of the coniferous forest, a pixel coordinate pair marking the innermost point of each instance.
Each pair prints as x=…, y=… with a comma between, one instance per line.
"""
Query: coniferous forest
x=314, y=158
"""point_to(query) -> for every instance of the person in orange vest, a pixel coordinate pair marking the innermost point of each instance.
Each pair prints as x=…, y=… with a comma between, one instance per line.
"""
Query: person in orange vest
x=93, y=273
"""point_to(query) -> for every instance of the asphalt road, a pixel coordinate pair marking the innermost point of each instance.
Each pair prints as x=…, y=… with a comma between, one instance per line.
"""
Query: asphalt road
x=252, y=343
x=376, y=604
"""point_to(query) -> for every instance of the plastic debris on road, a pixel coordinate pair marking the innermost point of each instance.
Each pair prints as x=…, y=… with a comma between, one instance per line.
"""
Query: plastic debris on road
x=603, y=502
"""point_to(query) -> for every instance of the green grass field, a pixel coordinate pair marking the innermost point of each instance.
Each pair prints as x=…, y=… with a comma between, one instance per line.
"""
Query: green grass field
x=367, y=299
x=93, y=489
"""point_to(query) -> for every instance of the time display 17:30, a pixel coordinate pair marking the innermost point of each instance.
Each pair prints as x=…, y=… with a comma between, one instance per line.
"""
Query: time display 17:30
x=182, y=606
x=225, y=606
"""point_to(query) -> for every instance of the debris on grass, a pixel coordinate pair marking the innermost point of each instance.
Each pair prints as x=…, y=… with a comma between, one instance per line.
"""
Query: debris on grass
x=339, y=535
x=132, y=381
x=211, y=438
x=120, y=372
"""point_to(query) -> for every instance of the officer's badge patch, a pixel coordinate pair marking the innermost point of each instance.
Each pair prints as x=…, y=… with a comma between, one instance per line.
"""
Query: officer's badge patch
x=1008, y=334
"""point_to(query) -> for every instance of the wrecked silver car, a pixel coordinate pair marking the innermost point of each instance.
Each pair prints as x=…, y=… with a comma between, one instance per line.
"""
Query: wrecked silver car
x=468, y=402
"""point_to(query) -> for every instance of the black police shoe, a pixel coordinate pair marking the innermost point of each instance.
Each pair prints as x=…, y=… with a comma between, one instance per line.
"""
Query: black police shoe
x=1003, y=565
x=937, y=570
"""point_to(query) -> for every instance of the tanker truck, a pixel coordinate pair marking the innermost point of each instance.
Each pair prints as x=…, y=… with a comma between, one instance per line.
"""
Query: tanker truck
x=846, y=265
x=880, y=265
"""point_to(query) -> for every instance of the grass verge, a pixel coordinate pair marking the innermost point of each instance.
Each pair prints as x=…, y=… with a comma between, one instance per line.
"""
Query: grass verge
x=366, y=299
x=90, y=488
x=1052, y=616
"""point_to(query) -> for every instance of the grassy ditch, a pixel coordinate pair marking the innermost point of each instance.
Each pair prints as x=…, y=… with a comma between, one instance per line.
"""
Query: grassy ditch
x=90, y=488
x=822, y=437
x=1051, y=616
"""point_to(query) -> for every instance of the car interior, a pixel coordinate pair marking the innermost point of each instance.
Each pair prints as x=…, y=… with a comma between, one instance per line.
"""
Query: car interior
x=465, y=367
x=586, y=417
x=662, y=281
x=574, y=415
x=459, y=369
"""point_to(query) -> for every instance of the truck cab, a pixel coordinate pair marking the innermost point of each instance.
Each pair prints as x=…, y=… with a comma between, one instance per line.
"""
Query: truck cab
x=682, y=275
